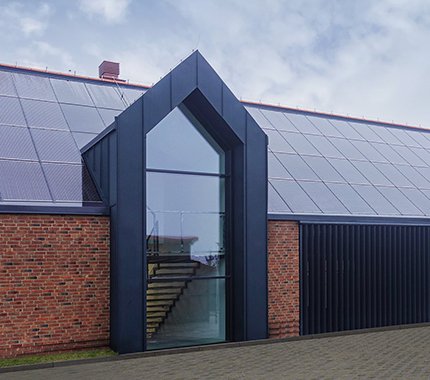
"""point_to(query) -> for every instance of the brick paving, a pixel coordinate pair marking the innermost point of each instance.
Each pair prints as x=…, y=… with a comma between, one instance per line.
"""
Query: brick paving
x=395, y=354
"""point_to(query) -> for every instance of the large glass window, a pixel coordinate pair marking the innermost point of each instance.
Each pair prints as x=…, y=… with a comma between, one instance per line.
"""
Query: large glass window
x=185, y=234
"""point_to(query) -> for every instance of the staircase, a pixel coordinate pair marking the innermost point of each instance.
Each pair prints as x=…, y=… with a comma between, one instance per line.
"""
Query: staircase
x=162, y=296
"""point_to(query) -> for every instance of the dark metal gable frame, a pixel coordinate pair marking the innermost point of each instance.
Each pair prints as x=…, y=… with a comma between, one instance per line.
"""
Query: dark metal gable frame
x=117, y=162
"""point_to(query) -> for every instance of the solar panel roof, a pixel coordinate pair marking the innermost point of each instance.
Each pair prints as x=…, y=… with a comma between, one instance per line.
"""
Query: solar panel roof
x=44, y=121
x=327, y=165
x=318, y=164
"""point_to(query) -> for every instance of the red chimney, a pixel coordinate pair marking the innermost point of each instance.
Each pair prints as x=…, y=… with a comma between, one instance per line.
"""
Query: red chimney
x=109, y=70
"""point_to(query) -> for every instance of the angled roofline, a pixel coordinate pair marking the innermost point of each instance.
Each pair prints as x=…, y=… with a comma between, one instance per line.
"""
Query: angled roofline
x=73, y=76
x=332, y=115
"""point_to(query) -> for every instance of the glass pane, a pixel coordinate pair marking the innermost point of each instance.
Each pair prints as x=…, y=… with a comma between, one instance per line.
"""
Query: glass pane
x=275, y=203
x=15, y=142
x=108, y=116
x=34, y=87
x=302, y=123
x=368, y=151
x=389, y=153
x=184, y=313
x=394, y=175
x=83, y=119
x=299, y=143
x=348, y=171
x=11, y=112
x=259, y=118
x=294, y=196
x=279, y=120
x=350, y=198
x=276, y=169
x=324, y=146
x=403, y=204
x=376, y=200
x=83, y=139
x=347, y=129
x=179, y=142
x=408, y=155
x=43, y=114
x=22, y=181
x=277, y=143
x=346, y=148
x=374, y=176
x=69, y=91
x=324, y=198
x=323, y=169
x=297, y=167
x=55, y=146
x=105, y=96
x=324, y=126
x=6, y=84
x=70, y=183
x=419, y=199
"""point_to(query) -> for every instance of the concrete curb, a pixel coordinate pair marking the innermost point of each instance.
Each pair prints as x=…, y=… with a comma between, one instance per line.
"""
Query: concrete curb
x=174, y=351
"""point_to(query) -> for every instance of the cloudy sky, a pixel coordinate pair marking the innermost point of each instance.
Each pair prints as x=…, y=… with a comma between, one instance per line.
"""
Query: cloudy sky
x=358, y=57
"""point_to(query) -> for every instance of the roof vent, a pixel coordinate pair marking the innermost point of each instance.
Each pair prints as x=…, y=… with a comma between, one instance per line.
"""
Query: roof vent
x=109, y=70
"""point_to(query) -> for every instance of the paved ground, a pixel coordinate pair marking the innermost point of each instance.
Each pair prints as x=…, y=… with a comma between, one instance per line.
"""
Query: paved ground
x=398, y=354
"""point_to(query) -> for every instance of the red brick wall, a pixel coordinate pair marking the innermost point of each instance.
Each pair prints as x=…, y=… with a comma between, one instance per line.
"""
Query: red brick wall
x=54, y=283
x=284, y=292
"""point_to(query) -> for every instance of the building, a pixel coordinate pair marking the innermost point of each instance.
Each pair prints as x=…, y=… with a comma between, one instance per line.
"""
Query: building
x=176, y=215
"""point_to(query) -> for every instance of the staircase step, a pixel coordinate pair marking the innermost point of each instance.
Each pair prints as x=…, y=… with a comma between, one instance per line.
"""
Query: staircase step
x=169, y=284
x=170, y=271
x=154, y=319
x=156, y=314
x=162, y=302
x=150, y=309
x=173, y=292
x=160, y=297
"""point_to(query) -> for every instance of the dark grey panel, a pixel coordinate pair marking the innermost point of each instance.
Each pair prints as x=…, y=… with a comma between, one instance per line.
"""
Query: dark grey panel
x=15, y=142
x=302, y=123
x=409, y=156
x=22, y=181
x=350, y=198
x=376, y=200
x=83, y=119
x=259, y=118
x=324, y=198
x=414, y=176
x=279, y=120
x=68, y=91
x=33, y=87
x=297, y=200
x=275, y=202
x=347, y=129
x=56, y=146
x=324, y=146
x=346, y=148
x=70, y=183
x=323, y=169
x=43, y=114
x=348, y=171
x=276, y=169
x=11, y=112
x=369, y=151
x=83, y=139
x=108, y=116
x=397, y=198
x=297, y=167
x=324, y=126
x=418, y=199
x=394, y=175
x=277, y=143
x=389, y=153
x=6, y=84
x=373, y=175
x=299, y=143
x=105, y=96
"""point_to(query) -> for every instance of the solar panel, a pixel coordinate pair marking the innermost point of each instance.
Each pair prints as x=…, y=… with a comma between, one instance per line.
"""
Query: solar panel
x=15, y=142
x=275, y=202
x=43, y=114
x=105, y=96
x=6, y=84
x=279, y=121
x=11, y=111
x=83, y=119
x=351, y=199
x=34, y=87
x=324, y=198
x=69, y=91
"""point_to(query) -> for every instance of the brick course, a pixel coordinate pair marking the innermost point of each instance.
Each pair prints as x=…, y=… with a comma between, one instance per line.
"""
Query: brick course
x=284, y=276
x=54, y=283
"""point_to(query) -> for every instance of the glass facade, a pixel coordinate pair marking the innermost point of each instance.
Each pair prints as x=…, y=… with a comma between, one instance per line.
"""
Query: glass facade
x=185, y=234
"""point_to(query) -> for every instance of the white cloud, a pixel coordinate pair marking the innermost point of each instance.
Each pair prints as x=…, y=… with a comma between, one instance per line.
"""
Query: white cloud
x=113, y=11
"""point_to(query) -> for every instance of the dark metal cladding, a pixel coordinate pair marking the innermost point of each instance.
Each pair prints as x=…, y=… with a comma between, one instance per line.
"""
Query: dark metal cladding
x=363, y=276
